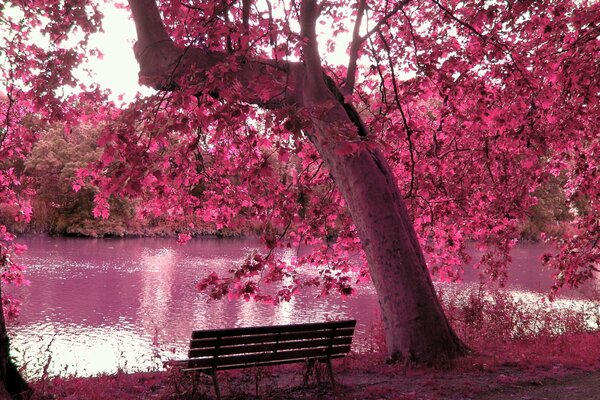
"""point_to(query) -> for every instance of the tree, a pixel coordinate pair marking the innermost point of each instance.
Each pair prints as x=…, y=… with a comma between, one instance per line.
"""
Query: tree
x=446, y=118
x=416, y=327
x=13, y=148
x=204, y=62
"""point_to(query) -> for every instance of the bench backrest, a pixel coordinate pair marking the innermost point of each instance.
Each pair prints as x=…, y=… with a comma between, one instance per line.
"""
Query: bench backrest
x=264, y=345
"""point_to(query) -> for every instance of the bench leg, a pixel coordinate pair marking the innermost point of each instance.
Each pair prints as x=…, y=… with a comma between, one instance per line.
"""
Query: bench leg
x=216, y=384
x=310, y=363
x=330, y=369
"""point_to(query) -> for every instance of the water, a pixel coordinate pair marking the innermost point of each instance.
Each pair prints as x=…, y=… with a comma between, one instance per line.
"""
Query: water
x=102, y=305
x=99, y=305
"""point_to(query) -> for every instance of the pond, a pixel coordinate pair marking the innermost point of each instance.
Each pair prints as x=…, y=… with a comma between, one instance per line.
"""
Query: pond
x=102, y=305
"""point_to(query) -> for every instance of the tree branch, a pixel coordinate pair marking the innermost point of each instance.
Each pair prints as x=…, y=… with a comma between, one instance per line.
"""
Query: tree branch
x=309, y=13
x=265, y=82
x=354, y=48
x=409, y=131
x=162, y=64
x=358, y=40
x=383, y=20
x=500, y=46
x=148, y=22
x=463, y=23
x=316, y=89
x=246, y=14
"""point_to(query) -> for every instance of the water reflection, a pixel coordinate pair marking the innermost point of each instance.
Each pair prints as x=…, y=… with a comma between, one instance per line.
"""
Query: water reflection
x=102, y=305
x=158, y=274
x=66, y=349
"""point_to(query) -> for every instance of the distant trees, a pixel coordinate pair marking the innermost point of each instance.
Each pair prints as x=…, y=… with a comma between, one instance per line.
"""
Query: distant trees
x=52, y=169
x=64, y=204
x=50, y=172
x=551, y=215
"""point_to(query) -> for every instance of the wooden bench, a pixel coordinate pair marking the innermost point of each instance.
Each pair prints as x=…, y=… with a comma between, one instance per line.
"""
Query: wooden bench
x=223, y=349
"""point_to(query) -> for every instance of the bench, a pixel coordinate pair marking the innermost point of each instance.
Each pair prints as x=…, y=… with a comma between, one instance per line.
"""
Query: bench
x=224, y=349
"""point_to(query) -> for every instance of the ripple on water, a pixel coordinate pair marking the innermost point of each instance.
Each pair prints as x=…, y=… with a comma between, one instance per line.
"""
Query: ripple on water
x=101, y=305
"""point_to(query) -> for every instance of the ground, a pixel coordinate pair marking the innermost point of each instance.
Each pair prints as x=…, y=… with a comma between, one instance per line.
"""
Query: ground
x=565, y=367
x=574, y=387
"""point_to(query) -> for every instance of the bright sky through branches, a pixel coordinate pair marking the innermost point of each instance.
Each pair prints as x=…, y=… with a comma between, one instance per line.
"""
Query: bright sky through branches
x=117, y=70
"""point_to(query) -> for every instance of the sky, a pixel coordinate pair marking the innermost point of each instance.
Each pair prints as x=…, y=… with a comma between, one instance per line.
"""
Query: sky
x=118, y=69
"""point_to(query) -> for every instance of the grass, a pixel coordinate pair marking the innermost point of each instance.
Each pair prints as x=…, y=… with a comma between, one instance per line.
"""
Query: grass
x=493, y=367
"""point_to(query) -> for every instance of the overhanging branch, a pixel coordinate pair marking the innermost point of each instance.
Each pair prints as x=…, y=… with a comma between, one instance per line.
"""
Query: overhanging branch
x=265, y=82
x=162, y=64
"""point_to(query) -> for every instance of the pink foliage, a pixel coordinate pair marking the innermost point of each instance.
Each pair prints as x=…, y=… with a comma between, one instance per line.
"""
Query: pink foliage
x=474, y=104
x=15, y=144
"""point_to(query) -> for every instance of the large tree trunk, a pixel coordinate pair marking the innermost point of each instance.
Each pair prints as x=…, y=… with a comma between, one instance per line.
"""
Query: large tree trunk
x=417, y=331
x=13, y=384
x=416, y=328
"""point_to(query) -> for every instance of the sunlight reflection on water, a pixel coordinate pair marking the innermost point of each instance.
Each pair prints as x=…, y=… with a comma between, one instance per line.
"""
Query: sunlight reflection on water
x=82, y=350
x=98, y=306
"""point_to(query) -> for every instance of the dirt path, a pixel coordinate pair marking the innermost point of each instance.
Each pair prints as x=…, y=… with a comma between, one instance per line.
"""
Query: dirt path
x=510, y=383
x=579, y=387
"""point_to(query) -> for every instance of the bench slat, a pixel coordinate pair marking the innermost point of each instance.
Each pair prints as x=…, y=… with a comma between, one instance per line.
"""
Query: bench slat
x=256, y=330
x=266, y=358
x=261, y=364
x=270, y=346
x=270, y=337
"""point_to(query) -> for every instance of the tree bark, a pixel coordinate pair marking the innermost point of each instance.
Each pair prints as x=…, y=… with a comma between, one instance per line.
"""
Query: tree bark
x=417, y=330
x=13, y=383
